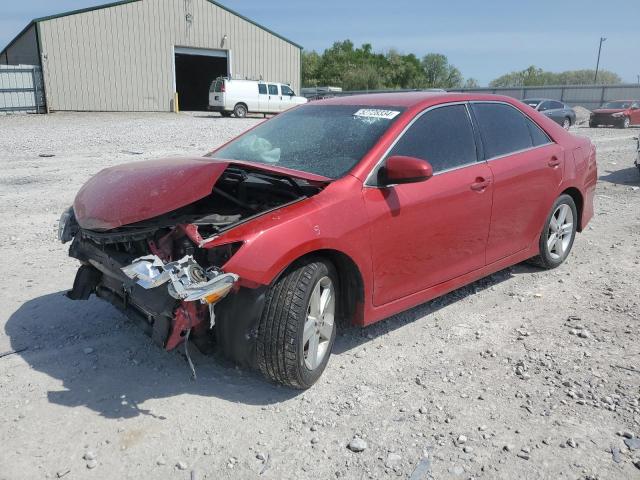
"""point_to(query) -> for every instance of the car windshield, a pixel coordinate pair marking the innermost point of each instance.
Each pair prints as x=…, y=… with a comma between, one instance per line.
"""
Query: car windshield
x=327, y=140
x=532, y=103
x=617, y=105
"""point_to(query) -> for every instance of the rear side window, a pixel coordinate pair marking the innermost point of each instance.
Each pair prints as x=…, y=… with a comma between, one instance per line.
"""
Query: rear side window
x=537, y=134
x=504, y=129
x=262, y=89
x=273, y=90
x=443, y=137
x=216, y=86
x=556, y=105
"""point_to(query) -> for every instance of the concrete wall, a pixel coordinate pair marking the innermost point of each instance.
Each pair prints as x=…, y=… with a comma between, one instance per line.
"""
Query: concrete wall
x=23, y=51
x=121, y=58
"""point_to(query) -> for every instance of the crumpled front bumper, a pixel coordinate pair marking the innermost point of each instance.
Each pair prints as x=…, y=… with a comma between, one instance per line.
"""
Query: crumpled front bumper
x=167, y=300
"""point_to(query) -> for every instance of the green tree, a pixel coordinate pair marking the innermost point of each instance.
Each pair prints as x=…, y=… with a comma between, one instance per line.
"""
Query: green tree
x=310, y=68
x=360, y=68
x=534, y=76
x=439, y=73
x=471, y=83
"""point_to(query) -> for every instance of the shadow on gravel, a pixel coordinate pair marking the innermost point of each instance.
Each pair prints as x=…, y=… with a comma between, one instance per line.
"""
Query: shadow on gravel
x=353, y=337
x=107, y=364
x=626, y=176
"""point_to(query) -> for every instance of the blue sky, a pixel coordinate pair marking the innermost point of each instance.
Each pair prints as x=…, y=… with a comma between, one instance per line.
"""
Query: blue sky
x=484, y=39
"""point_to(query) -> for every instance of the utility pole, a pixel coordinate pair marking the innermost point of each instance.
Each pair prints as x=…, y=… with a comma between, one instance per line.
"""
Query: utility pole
x=595, y=77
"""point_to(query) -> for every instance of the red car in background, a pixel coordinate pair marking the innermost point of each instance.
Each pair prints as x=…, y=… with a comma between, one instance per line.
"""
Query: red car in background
x=618, y=113
x=349, y=209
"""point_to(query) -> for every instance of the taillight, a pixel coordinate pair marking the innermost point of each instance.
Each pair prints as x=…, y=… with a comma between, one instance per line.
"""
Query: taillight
x=222, y=88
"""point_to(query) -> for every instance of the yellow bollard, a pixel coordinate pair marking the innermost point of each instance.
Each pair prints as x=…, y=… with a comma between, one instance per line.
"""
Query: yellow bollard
x=176, y=103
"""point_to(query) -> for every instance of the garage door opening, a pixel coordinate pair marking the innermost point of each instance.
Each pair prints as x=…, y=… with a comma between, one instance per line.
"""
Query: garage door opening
x=195, y=70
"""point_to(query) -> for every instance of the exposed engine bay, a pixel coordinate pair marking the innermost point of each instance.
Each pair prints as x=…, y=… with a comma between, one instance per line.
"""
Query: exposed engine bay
x=161, y=270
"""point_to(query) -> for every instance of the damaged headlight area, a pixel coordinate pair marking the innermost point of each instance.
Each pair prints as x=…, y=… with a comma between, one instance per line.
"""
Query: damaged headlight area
x=67, y=226
x=187, y=280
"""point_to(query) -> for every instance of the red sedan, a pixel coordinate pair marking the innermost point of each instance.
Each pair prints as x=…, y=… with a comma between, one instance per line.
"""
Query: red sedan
x=619, y=113
x=349, y=209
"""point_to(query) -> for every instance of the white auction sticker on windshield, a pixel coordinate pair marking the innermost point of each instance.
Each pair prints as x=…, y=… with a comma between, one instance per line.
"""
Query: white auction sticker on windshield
x=376, y=113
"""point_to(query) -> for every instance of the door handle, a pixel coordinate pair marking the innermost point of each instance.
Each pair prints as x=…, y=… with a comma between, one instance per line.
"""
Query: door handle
x=480, y=184
x=554, y=162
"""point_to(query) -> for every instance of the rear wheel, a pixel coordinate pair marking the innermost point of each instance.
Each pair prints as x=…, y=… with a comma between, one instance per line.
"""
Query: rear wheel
x=558, y=233
x=297, y=328
x=240, y=110
x=625, y=123
x=566, y=123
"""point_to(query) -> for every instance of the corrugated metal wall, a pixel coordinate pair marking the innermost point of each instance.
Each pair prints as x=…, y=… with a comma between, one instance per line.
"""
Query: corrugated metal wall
x=24, y=51
x=588, y=96
x=121, y=58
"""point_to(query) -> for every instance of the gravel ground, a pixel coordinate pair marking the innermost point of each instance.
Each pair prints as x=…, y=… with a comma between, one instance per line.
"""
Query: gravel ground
x=525, y=374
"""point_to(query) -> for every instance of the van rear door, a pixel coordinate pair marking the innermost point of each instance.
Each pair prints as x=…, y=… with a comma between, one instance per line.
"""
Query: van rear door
x=216, y=93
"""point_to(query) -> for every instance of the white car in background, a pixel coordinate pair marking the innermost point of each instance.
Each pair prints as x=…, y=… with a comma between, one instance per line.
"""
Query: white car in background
x=240, y=97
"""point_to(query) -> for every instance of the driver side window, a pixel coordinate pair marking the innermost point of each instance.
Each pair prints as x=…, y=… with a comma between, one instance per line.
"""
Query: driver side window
x=286, y=90
x=442, y=136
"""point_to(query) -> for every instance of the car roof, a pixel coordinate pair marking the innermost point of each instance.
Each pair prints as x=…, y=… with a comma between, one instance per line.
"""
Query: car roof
x=411, y=99
x=541, y=100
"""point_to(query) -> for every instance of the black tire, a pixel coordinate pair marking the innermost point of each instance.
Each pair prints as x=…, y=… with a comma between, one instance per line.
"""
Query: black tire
x=624, y=123
x=547, y=259
x=240, y=110
x=225, y=114
x=280, y=352
x=593, y=125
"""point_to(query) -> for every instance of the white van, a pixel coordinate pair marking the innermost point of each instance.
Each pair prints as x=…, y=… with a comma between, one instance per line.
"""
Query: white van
x=240, y=97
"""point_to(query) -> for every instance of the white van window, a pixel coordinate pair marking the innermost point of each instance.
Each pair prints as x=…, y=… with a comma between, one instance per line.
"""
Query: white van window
x=216, y=86
x=286, y=90
x=262, y=89
x=273, y=89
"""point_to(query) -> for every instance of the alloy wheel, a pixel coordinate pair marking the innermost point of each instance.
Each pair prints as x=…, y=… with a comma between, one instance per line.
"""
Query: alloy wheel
x=319, y=324
x=566, y=124
x=560, y=231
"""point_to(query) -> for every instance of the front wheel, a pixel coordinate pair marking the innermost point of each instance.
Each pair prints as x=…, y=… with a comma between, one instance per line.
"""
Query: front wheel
x=558, y=233
x=297, y=328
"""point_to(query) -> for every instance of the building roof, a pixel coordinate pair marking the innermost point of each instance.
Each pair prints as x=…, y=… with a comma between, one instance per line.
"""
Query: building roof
x=123, y=2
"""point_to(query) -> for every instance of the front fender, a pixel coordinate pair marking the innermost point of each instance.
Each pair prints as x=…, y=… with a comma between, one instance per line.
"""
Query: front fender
x=334, y=219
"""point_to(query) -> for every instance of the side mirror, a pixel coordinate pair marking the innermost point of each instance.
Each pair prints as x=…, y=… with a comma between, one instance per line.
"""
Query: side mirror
x=400, y=169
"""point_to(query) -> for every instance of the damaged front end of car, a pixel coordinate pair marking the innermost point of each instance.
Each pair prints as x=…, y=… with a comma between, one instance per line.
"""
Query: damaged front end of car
x=167, y=271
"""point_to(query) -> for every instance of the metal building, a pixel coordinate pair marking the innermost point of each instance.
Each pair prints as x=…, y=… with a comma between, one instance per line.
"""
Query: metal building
x=134, y=55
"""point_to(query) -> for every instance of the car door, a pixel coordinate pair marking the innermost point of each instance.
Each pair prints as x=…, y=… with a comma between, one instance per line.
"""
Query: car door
x=286, y=98
x=527, y=169
x=263, y=98
x=553, y=110
x=423, y=234
x=274, y=98
x=635, y=113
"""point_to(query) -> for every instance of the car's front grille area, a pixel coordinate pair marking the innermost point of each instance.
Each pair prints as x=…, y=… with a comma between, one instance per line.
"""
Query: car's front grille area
x=604, y=118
